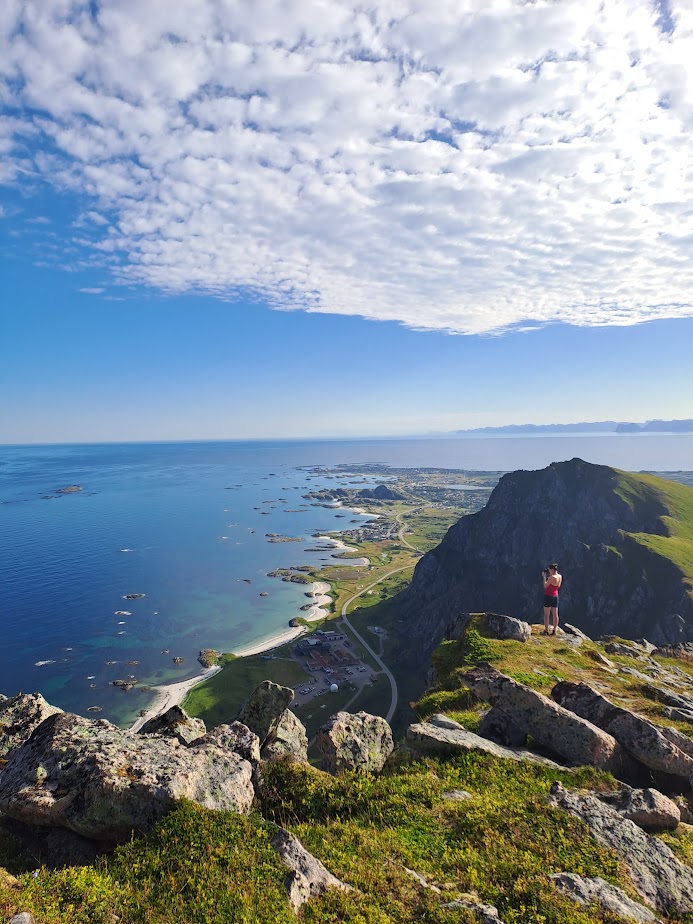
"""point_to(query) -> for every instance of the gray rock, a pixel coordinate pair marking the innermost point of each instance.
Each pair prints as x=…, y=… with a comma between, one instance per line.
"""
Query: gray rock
x=498, y=726
x=357, y=741
x=307, y=877
x=24, y=917
x=595, y=655
x=174, y=723
x=423, y=738
x=628, y=651
x=264, y=709
x=573, y=738
x=486, y=914
x=608, y=897
x=457, y=795
x=663, y=881
x=641, y=738
x=669, y=697
x=19, y=716
x=682, y=741
x=578, y=633
x=649, y=809
x=444, y=721
x=646, y=646
x=102, y=782
x=507, y=627
x=423, y=882
x=235, y=737
x=289, y=737
x=678, y=715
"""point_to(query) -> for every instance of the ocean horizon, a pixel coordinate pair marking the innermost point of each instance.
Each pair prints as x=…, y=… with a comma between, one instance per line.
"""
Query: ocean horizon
x=184, y=524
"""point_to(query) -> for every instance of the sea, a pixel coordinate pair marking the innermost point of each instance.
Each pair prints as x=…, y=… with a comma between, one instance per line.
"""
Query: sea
x=185, y=525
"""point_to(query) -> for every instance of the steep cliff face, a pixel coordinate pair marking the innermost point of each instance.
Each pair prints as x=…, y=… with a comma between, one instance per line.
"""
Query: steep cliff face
x=607, y=529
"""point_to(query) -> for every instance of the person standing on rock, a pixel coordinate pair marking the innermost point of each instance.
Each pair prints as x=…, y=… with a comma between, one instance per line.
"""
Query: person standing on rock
x=552, y=582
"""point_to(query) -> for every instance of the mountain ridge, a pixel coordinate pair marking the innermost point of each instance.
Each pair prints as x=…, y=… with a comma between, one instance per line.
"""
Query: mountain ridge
x=624, y=543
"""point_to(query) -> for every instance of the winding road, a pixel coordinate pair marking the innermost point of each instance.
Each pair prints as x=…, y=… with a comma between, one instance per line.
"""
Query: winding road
x=378, y=660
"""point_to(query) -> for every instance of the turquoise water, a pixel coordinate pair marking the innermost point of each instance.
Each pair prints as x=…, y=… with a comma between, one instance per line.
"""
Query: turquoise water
x=64, y=574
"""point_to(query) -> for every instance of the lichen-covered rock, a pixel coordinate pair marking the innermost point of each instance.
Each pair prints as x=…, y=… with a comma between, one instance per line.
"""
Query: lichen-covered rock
x=235, y=737
x=507, y=627
x=570, y=629
x=175, y=723
x=443, y=721
x=423, y=738
x=576, y=740
x=357, y=741
x=307, y=877
x=499, y=726
x=19, y=716
x=608, y=897
x=657, y=875
x=289, y=737
x=103, y=782
x=265, y=708
x=627, y=651
x=649, y=809
x=485, y=914
x=641, y=738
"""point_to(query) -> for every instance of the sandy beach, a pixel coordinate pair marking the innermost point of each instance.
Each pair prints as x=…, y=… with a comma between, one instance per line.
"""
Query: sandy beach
x=173, y=694
x=340, y=546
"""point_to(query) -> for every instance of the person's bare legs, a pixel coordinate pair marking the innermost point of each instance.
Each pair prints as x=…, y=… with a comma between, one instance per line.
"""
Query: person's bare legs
x=554, y=618
x=547, y=611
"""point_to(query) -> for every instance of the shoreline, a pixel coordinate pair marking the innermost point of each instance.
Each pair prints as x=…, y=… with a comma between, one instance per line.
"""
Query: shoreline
x=173, y=694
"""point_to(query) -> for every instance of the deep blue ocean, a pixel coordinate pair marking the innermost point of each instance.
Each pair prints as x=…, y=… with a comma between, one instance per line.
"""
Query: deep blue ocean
x=194, y=516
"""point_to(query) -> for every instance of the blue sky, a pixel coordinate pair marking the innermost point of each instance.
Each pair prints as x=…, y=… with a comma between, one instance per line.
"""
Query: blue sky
x=303, y=220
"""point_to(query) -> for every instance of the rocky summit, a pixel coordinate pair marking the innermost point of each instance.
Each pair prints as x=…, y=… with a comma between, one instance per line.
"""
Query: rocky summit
x=623, y=544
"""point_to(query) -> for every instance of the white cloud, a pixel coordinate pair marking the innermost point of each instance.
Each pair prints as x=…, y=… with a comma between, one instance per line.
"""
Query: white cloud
x=469, y=165
x=91, y=291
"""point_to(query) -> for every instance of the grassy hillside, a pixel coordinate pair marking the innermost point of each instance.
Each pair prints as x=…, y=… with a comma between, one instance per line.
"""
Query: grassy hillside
x=672, y=504
x=499, y=845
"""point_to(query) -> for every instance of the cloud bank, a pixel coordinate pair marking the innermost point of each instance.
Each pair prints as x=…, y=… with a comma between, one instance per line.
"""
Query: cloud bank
x=469, y=166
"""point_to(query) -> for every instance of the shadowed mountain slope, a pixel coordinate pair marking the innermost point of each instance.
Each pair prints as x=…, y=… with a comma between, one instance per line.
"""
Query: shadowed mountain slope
x=623, y=542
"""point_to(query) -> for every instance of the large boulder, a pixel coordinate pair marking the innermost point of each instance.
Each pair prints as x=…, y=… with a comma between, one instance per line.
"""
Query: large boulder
x=265, y=708
x=657, y=875
x=507, y=627
x=641, y=738
x=649, y=809
x=102, y=782
x=574, y=739
x=289, y=737
x=599, y=892
x=424, y=738
x=19, y=716
x=174, y=723
x=355, y=742
x=235, y=737
x=307, y=877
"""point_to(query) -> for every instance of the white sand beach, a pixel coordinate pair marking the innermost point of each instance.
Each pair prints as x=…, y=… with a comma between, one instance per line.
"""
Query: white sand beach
x=173, y=694
x=340, y=546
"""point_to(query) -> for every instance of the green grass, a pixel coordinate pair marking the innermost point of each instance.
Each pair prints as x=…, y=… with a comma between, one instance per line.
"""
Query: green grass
x=219, y=699
x=671, y=504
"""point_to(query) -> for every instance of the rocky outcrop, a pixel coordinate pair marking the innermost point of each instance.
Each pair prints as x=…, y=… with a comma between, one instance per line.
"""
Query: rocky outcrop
x=643, y=740
x=649, y=809
x=355, y=742
x=289, y=737
x=574, y=739
x=174, y=723
x=266, y=714
x=424, y=738
x=235, y=737
x=102, y=782
x=599, y=892
x=499, y=726
x=657, y=875
x=307, y=877
x=492, y=560
x=20, y=715
x=264, y=709
x=493, y=624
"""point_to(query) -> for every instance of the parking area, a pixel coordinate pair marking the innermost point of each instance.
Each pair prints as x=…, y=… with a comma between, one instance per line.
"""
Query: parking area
x=330, y=658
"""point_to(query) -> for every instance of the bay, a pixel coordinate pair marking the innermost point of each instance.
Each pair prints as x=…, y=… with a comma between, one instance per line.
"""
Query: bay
x=194, y=517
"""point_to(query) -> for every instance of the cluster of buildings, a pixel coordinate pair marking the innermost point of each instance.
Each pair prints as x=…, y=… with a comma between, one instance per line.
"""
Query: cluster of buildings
x=325, y=650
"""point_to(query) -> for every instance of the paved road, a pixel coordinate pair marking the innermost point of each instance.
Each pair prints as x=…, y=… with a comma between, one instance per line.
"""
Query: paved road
x=386, y=670
x=400, y=534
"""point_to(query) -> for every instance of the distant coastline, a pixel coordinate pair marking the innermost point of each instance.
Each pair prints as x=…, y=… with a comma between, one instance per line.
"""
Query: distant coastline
x=603, y=427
